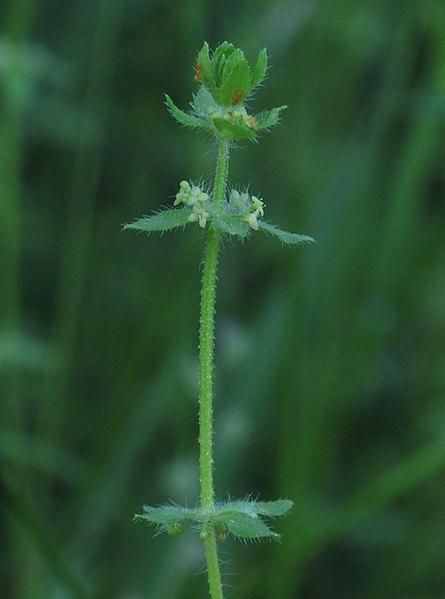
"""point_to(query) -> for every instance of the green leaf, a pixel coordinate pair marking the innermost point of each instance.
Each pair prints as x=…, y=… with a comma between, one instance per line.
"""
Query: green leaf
x=231, y=224
x=240, y=518
x=161, y=221
x=203, y=102
x=269, y=118
x=166, y=515
x=236, y=81
x=230, y=62
x=230, y=130
x=272, y=509
x=225, y=49
x=187, y=119
x=161, y=516
x=243, y=525
x=219, y=57
x=258, y=69
x=284, y=236
x=206, y=68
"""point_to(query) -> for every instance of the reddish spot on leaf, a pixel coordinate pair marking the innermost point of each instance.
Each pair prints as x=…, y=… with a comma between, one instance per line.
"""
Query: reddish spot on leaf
x=238, y=97
x=198, y=73
x=253, y=123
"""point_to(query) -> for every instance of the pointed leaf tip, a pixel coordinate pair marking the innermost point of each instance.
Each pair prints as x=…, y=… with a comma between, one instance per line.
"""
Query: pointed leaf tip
x=161, y=221
x=284, y=236
x=185, y=118
x=272, y=509
x=258, y=69
x=269, y=118
x=245, y=526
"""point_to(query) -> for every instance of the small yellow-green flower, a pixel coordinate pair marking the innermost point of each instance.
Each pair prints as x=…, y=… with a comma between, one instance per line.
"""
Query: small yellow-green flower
x=190, y=195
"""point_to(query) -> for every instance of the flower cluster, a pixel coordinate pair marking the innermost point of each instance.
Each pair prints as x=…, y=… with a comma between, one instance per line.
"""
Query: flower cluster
x=250, y=207
x=195, y=198
x=257, y=210
x=239, y=204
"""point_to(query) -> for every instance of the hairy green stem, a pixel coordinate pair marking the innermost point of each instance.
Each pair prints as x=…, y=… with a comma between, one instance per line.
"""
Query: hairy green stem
x=206, y=370
x=206, y=337
x=222, y=172
x=214, y=576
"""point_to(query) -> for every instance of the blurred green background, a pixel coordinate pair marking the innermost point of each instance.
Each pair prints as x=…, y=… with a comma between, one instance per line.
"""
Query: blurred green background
x=330, y=359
